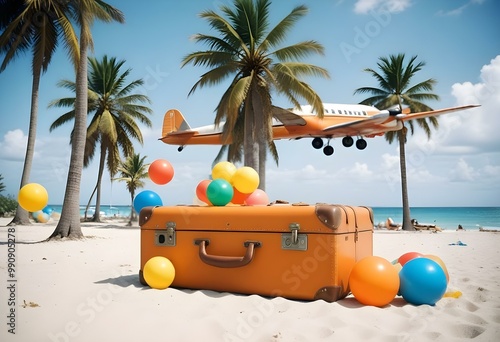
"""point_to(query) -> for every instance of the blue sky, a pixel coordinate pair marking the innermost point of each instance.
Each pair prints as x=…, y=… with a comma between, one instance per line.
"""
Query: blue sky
x=458, y=40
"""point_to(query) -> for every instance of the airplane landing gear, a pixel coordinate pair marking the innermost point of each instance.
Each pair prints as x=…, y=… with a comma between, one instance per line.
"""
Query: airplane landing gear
x=347, y=141
x=180, y=148
x=361, y=144
x=328, y=150
x=317, y=143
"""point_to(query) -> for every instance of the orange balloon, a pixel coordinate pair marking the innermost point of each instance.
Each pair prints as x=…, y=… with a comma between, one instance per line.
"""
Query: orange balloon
x=440, y=263
x=161, y=172
x=201, y=191
x=33, y=197
x=238, y=197
x=374, y=281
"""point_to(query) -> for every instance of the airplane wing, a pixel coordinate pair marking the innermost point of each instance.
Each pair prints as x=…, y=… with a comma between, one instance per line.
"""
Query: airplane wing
x=412, y=116
x=361, y=126
x=288, y=118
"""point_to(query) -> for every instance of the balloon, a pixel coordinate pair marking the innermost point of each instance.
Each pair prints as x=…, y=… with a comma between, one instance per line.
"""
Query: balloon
x=161, y=172
x=245, y=180
x=43, y=217
x=258, y=197
x=223, y=170
x=422, y=281
x=374, y=281
x=33, y=197
x=201, y=191
x=238, y=197
x=48, y=210
x=440, y=263
x=159, y=272
x=403, y=259
x=146, y=198
x=219, y=192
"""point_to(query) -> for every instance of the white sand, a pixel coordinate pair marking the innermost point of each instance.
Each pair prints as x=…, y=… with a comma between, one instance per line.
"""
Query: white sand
x=89, y=290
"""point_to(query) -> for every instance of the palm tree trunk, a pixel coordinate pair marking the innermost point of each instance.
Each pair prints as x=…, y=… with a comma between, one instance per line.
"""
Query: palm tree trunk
x=69, y=224
x=404, y=181
x=22, y=216
x=132, y=193
x=102, y=161
x=88, y=203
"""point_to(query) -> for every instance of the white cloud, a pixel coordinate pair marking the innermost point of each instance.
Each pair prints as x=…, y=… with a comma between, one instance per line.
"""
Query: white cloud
x=13, y=146
x=459, y=10
x=462, y=172
x=393, y=6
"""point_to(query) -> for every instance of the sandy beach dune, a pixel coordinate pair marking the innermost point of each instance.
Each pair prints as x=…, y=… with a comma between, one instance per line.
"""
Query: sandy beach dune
x=89, y=290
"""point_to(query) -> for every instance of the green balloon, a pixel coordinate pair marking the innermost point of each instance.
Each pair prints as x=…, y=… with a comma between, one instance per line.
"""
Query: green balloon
x=219, y=192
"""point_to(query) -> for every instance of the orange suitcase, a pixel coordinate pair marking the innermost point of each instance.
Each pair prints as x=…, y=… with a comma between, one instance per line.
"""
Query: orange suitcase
x=295, y=251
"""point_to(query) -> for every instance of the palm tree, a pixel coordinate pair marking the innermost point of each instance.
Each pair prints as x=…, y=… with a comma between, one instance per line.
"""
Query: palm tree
x=248, y=51
x=37, y=25
x=395, y=89
x=115, y=109
x=133, y=171
x=84, y=12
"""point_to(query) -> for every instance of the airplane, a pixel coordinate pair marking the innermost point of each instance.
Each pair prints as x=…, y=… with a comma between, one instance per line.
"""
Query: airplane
x=339, y=120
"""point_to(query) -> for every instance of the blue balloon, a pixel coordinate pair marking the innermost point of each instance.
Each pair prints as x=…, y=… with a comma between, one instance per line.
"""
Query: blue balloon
x=48, y=210
x=146, y=198
x=422, y=281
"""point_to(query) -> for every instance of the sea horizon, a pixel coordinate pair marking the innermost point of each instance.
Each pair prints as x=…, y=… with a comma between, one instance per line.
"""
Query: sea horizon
x=448, y=218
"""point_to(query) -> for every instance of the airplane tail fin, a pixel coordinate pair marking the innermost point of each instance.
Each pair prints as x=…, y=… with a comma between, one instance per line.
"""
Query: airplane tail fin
x=174, y=121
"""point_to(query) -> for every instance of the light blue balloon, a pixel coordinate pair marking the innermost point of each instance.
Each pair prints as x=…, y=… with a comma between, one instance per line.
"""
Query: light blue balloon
x=146, y=198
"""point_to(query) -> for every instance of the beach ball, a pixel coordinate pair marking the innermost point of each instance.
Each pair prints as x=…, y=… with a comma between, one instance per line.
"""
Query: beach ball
x=223, y=170
x=201, y=191
x=161, y=172
x=422, y=281
x=33, y=197
x=374, y=281
x=146, y=198
x=48, y=210
x=440, y=263
x=219, y=192
x=159, y=272
x=245, y=180
x=258, y=197
x=238, y=197
x=403, y=259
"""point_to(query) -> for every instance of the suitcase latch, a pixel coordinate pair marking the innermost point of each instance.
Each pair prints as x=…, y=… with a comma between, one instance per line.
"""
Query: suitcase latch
x=294, y=240
x=166, y=238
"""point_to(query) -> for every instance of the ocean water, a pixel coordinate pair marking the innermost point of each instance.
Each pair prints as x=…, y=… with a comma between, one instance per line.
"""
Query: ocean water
x=445, y=217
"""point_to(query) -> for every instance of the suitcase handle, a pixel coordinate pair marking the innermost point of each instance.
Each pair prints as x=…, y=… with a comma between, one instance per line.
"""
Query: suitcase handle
x=226, y=261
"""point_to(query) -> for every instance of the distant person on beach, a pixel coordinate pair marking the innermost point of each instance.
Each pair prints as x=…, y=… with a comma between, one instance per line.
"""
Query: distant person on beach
x=460, y=227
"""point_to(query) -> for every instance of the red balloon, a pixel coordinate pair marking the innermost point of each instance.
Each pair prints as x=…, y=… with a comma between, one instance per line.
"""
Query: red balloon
x=201, y=191
x=161, y=172
x=403, y=259
x=238, y=197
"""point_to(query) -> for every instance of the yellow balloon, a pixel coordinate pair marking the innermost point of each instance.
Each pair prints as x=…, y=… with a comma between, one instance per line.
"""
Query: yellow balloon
x=159, y=272
x=246, y=180
x=33, y=197
x=223, y=170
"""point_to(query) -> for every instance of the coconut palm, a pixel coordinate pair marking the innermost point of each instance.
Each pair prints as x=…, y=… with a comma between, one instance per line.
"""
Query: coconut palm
x=84, y=13
x=394, y=80
x=36, y=25
x=133, y=171
x=115, y=111
x=249, y=51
